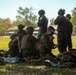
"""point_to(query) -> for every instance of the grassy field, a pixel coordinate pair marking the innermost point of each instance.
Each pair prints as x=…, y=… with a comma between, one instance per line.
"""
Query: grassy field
x=27, y=69
x=55, y=51
x=5, y=40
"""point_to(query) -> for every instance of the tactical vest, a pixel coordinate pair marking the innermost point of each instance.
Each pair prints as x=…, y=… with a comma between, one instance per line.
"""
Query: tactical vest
x=24, y=43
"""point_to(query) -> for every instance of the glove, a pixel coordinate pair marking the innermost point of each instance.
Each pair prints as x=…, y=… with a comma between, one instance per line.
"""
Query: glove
x=56, y=45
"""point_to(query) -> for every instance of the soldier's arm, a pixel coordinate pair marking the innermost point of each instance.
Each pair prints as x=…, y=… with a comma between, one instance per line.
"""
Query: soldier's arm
x=48, y=45
x=58, y=20
x=13, y=44
x=41, y=21
x=46, y=42
x=71, y=28
x=32, y=39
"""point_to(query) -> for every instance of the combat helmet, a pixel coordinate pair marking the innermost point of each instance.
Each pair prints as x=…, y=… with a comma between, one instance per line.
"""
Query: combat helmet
x=61, y=12
x=29, y=30
x=68, y=15
x=41, y=12
x=20, y=26
x=13, y=36
x=51, y=28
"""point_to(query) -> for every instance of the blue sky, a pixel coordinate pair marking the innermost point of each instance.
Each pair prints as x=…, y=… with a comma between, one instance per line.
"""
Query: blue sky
x=8, y=8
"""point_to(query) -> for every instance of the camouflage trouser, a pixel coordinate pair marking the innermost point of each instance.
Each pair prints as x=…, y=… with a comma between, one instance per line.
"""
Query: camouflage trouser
x=69, y=43
x=62, y=40
x=26, y=53
x=30, y=52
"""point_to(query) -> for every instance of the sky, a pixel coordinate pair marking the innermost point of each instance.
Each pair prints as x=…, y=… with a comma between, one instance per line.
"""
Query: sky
x=8, y=8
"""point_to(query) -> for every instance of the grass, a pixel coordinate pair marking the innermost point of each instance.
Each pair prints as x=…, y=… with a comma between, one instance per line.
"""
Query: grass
x=55, y=51
x=74, y=41
x=28, y=69
x=4, y=42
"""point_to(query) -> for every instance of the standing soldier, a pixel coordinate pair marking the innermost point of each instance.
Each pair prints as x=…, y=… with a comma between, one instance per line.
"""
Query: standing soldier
x=70, y=29
x=62, y=30
x=42, y=23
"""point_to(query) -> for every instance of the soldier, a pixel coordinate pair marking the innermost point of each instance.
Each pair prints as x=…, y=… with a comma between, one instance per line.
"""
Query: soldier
x=42, y=23
x=70, y=29
x=62, y=30
x=21, y=32
x=46, y=43
x=28, y=43
x=13, y=46
x=67, y=60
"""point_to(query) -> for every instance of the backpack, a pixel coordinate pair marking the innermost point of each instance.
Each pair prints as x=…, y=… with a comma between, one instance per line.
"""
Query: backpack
x=24, y=42
x=68, y=65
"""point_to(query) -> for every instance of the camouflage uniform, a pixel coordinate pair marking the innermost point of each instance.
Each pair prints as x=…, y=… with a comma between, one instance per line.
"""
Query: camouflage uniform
x=28, y=43
x=45, y=46
x=68, y=59
x=42, y=23
x=21, y=32
x=69, y=31
x=62, y=32
x=20, y=35
x=13, y=46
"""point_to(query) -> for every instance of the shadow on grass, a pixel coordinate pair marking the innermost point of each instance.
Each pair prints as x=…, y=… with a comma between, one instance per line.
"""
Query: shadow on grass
x=26, y=69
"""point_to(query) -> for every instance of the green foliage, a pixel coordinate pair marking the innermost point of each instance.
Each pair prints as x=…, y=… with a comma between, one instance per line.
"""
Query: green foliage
x=4, y=25
x=4, y=42
x=73, y=19
x=52, y=21
x=26, y=16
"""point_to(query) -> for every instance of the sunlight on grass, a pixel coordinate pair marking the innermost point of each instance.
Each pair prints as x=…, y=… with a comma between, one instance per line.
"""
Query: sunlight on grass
x=56, y=52
x=27, y=69
x=74, y=41
x=5, y=40
x=36, y=67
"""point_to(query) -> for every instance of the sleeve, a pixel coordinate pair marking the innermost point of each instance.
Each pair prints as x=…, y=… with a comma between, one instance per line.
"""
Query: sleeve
x=47, y=42
x=49, y=45
x=58, y=20
x=42, y=21
x=71, y=28
x=13, y=44
x=32, y=39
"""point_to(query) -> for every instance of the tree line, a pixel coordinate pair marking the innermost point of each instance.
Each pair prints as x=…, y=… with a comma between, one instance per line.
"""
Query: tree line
x=26, y=17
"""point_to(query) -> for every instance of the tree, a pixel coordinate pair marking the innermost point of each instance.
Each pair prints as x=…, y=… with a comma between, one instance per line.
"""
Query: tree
x=16, y=22
x=52, y=21
x=1, y=25
x=73, y=19
x=4, y=25
x=26, y=16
